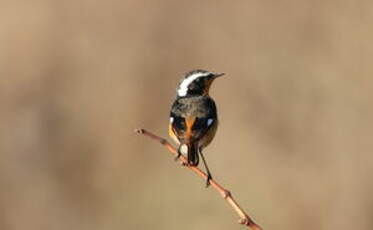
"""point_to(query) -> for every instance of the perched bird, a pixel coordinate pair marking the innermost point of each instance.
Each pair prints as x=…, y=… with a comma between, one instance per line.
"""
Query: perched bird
x=193, y=118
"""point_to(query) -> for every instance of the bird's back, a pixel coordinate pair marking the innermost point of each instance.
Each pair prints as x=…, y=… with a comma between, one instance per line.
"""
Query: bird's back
x=197, y=106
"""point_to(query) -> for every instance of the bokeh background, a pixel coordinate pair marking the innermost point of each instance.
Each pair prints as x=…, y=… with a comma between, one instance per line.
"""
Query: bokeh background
x=294, y=143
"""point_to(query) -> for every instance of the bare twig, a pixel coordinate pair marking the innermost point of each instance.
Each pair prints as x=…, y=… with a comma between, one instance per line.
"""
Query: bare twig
x=244, y=217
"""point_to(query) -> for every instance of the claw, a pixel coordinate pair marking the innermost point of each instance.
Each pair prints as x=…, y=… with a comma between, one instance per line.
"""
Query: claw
x=226, y=194
x=178, y=155
x=184, y=164
x=208, y=180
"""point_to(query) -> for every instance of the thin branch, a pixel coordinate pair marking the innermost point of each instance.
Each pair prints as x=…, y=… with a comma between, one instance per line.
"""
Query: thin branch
x=244, y=217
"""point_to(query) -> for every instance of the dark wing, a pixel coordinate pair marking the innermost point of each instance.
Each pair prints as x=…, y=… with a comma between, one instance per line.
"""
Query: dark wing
x=202, y=125
x=207, y=117
x=177, y=121
x=178, y=126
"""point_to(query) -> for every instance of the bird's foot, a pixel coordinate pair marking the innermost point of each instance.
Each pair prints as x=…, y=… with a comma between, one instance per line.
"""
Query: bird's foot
x=178, y=155
x=208, y=180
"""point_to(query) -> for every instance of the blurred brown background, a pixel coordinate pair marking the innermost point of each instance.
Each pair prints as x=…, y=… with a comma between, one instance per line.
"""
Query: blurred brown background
x=295, y=140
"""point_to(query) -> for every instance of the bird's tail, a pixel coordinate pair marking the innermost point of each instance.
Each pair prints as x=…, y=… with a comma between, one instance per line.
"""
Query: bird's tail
x=193, y=158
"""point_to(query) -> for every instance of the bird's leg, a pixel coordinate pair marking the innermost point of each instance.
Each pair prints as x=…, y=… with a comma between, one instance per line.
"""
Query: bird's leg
x=178, y=153
x=209, y=177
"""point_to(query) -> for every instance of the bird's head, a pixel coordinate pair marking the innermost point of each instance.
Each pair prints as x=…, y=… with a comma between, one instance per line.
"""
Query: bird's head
x=196, y=82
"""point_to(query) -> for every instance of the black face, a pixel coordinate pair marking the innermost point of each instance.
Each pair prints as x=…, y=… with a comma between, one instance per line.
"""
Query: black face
x=198, y=86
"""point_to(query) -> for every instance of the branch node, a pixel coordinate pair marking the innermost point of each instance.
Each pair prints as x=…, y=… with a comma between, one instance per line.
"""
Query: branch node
x=226, y=193
x=243, y=221
x=139, y=131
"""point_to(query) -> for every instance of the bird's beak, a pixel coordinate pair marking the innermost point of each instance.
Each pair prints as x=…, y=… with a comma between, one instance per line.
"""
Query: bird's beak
x=219, y=75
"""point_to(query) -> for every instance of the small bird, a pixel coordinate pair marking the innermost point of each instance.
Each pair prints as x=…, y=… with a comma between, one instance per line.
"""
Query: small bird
x=193, y=118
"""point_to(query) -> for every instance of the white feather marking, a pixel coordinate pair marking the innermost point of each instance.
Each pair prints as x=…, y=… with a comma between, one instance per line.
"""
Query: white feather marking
x=184, y=149
x=171, y=120
x=183, y=87
x=209, y=121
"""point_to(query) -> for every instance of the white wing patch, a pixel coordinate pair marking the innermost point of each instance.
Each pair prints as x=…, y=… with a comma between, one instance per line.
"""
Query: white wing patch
x=183, y=87
x=184, y=149
x=209, y=121
x=171, y=120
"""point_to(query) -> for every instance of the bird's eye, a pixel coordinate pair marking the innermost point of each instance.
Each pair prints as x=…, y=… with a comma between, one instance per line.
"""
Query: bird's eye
x=200, y=82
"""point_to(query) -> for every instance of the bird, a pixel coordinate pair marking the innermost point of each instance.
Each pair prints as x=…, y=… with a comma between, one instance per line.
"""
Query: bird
x=193, y=117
